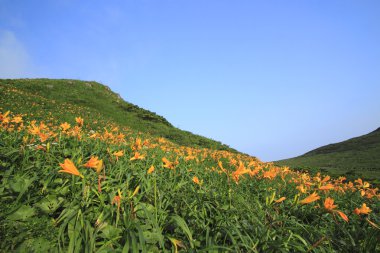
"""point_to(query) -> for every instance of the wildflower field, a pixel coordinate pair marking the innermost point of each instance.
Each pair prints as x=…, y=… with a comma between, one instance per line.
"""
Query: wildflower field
x=83, y=183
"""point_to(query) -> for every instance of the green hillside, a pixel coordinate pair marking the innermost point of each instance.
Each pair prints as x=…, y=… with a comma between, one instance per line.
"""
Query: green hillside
x=356, y=157
x=83, y=171
x=62, y=97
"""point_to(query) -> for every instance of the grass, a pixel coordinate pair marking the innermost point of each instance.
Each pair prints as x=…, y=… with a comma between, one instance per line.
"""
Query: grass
x=149, y=194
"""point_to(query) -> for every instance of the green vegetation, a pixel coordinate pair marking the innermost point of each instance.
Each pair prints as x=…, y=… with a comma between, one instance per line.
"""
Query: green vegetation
x=356, y=157
x=62, y=97
x=74, y=178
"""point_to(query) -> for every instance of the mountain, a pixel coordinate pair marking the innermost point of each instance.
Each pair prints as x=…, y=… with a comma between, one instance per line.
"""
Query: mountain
x=63, y=97
x=359, y=156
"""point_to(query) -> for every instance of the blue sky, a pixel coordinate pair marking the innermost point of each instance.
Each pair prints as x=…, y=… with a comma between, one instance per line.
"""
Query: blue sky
x=273, y=79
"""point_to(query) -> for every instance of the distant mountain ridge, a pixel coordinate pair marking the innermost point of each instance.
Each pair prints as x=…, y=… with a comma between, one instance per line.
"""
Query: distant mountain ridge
x=364, y=142
x=359, y=156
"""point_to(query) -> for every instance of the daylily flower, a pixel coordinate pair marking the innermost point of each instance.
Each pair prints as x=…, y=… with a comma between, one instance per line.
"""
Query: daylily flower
x=43, y=137
x=65, y=126
x=137, y=145
x=167, y=164
x=341, y=214
x=117, y=199
x=4, y=116
x=118, y=154
x=329, y=204
x=326, y=187
x=17, y=119
x=311, y=198
x=241, y=170
x=364, y=209
x=301, y=188
x=94, y=163
x=79, y=121
x=220, y=164
x=150, y=170
x=280, y=200
x=327, y=178
x=137, y=156
x=33, y=129
x=330, y=207
x=196, y=180
x=69, y=167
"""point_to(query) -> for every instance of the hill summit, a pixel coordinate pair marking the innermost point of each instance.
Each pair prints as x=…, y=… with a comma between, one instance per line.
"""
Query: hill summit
x=63, y=97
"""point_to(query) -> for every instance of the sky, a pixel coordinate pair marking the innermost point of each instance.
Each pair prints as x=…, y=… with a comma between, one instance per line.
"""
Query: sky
x=273, y=79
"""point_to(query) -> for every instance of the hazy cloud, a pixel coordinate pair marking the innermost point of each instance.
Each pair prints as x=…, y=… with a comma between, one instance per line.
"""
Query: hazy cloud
x=14, y=59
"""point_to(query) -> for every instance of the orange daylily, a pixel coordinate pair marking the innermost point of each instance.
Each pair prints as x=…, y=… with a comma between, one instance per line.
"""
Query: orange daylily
x=301, y=188
x=280, y=200
x=150, y=170
x=69, y=167
x=65, y=126
x=190, y=157
x=43, y=137
x=196, y=180
x=240, y=171
x=270, y=174
x=370, y=193
x=330, y=207
x=327, y=178
x=34, y=130
x=326, y=187
x=137, y=145
x=137, y=156
x=167, y=164
x=117, y=199
x=5, y=115
x=311, y=198
x=342, y=215
x=94, y=163
x=329, y=204
x=17, y=119
x=79, y=121
x=364, y=209
x=118, y=154
x=220, y=164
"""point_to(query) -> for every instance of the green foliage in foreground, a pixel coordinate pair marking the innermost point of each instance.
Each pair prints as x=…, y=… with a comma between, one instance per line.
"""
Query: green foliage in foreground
x=356, y=157
x=60, y=98
x=45, y=211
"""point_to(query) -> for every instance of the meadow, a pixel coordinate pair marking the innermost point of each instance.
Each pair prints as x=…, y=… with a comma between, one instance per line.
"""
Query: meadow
x=85, y=183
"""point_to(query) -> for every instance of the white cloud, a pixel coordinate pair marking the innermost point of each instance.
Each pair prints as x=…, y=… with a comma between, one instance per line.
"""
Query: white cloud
x=14, y=58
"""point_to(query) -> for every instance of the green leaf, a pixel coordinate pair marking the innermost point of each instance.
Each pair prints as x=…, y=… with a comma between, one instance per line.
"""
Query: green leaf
x=182, y=224
x=49, y=204
x=36, y=245
x=151, y=237
x=20, y=184
x=111, y=232
x=22, y=214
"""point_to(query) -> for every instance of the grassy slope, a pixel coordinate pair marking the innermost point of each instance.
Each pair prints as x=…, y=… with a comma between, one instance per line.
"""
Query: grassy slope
x=195, y=200
x=59, y=96
x=357, y=157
